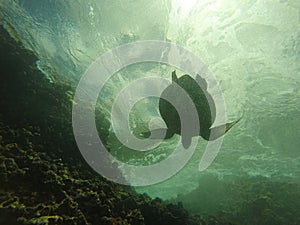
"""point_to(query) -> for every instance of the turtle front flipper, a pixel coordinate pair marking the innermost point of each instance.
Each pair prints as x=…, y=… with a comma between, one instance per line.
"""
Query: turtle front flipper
x=216, y=132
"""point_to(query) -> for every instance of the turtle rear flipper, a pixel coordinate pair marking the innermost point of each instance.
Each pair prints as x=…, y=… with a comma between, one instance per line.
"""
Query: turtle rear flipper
x=186, y=141
x=160, y=133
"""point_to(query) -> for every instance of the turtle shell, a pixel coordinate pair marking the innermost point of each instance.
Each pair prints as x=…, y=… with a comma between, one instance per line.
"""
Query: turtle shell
x=202, y=100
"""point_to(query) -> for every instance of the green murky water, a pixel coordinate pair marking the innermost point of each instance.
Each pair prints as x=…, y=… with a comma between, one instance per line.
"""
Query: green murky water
x=253, y=49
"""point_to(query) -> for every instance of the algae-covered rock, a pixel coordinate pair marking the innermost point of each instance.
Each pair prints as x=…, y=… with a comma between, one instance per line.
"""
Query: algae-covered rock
x=43, y=178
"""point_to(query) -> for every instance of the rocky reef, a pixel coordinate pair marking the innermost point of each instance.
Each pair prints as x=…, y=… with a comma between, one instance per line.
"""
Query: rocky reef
x=41, y=188
x=247, y=201
x=43, y=178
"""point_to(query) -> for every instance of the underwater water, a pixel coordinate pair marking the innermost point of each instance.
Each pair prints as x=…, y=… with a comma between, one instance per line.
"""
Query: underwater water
x=253, y=49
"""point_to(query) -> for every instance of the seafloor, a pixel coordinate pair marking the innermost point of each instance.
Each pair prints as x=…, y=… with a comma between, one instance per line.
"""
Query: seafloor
x=44, y=180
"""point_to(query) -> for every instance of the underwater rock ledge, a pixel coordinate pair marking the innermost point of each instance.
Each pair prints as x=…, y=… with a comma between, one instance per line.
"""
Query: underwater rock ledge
x=43, y=178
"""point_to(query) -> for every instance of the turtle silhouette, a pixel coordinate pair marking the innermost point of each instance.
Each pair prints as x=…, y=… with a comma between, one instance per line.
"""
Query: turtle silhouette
x=204, y=104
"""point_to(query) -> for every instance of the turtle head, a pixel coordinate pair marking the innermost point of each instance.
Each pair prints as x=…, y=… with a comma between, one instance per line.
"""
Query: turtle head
x=201, y=81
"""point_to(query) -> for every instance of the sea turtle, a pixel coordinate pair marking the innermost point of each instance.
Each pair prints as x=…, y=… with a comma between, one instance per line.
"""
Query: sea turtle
x=204, y=104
